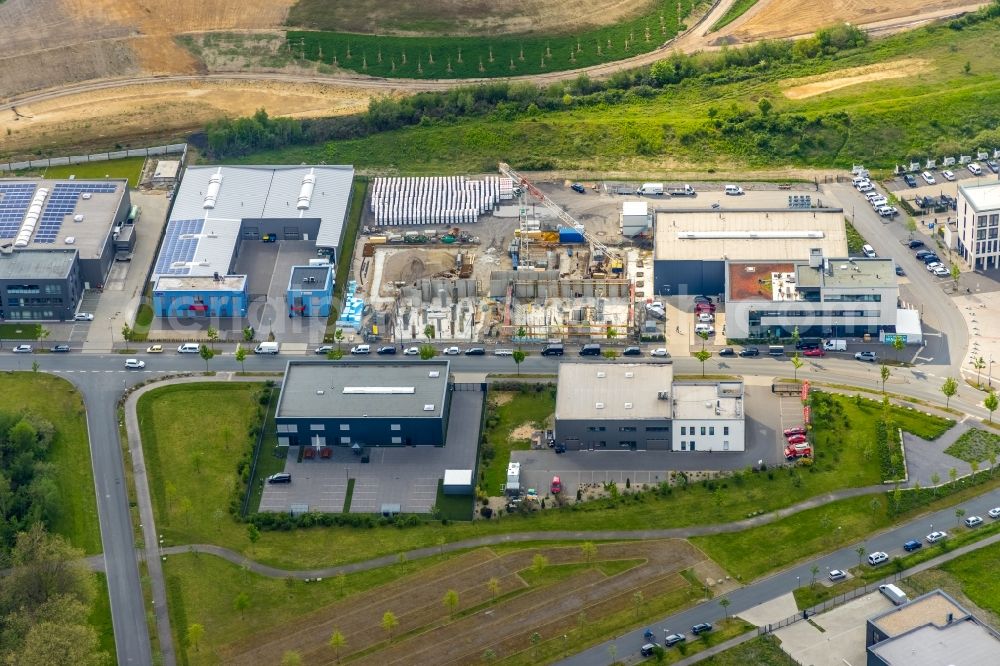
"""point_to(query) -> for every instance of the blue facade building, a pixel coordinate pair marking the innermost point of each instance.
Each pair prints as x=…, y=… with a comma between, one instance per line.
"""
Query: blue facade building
x=310, y=291
x=198, y=296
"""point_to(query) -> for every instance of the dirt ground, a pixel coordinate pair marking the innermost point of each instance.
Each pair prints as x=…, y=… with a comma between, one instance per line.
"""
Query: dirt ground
x=131, y=111
x=426, y=633
x=774, y=19
x=411, y=265
x=817, y=85
x=522, y=432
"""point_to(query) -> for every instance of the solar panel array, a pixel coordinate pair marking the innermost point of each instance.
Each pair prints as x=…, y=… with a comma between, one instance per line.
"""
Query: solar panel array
x=176, y=248
x=14, y=201
x=62, y=202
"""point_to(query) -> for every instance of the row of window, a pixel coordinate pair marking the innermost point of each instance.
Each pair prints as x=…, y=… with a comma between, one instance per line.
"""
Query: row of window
x=54, y=288
x=321, y=427
x=985, y=247
x=629, y=429
x=757, y=314
x=693, y=445
x=983, y=234
x=25, y=302
x=690, y=430
x=994, y=220
x=21, y=315
x=852, y=298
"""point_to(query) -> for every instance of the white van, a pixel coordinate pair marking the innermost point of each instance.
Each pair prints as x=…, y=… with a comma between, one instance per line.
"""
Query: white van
x=266, y=348
x=869, y=251
x=734, y=190
x=651, y=189
x=894, y=594
x=835, y=345
x=189, y=348
x=975, y=169
x=704, y=328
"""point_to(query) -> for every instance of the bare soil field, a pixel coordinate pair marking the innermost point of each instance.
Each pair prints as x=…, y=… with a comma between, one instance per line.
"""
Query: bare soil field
x=774, y=19
x=463, y=17
x=824, y=83
x=428, y=633
x=124, y=115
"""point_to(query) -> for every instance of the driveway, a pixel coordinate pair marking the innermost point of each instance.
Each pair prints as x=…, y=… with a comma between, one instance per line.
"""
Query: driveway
x=836, y=637
x=925, y=458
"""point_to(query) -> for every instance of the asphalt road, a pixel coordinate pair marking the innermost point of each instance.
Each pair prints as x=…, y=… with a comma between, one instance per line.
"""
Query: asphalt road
x=784, y=582
x=101, y=379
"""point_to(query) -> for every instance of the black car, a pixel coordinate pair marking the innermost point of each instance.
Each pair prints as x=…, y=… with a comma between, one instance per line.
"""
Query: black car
x=912, y=545
x=61, y=348
x=701, y=628
x=807, y=344
x=915, y=243
x=899, y=271
x=632, y=351
x=993, y=165
x=924, y=253
x=280, y=477
x=702, y=299
x=647, y=650
x=749, y=351
x=910, y=180
x=475, y=351
x=388, y=349
x=930, y=258
x=560, y=447
x=727, y=351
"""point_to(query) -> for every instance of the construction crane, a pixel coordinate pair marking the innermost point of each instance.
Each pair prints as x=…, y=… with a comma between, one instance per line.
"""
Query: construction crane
x=565, y=219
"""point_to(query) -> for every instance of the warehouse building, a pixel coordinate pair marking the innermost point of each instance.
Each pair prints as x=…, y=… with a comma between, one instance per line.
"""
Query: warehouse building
x=364, y=404
x=692, y=246
x=820, y=297
x=931, y=629
x=217, y=209
x=610, y=406
x=57, y=239
x=979, y=225
x=635, y=218
x=310, y=291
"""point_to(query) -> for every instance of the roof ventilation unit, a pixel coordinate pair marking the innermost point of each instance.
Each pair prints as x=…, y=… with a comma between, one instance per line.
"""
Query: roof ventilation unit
x=428, y=408
x=628, y=405
x=599, y=405
x=306, y=191
x=629, y=375
x=78, y=218
x=212, y=193
x=601, y=375
x=70, y=240
x=320, y=392
x=86, y=195
x=434, y=374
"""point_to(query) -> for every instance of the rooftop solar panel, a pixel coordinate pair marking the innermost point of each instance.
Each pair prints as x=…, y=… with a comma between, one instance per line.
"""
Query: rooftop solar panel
x=176, y=248
x=14, y=201
x=62, y=202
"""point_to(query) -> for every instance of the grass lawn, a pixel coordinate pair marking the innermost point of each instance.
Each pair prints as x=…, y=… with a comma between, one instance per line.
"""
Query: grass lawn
x=760, y=651
x=22, y=331
x=491, y=55
x=129, y=167
x=193, y=435
x=736, y=10
x=520, y=409
x=975, y=445
x=272, y=457
x=973, y=573
x=57, y=401
x=100, y=618
x=454, y=507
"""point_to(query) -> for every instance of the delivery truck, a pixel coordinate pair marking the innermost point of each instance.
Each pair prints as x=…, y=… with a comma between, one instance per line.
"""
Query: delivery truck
x=651, y=189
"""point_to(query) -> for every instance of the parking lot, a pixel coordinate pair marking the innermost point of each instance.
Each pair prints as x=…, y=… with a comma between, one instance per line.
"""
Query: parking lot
x=407, y=476
x=836, y=637
x=766, y=416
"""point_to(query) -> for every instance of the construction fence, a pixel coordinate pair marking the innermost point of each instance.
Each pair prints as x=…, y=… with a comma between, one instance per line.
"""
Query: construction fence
x=44, y=162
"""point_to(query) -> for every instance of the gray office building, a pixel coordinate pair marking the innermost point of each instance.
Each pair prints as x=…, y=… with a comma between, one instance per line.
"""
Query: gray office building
x=361, y=404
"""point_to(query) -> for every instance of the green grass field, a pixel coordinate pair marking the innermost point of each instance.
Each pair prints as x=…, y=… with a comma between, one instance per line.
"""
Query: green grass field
x=23, y=331
x=970, y=570
x=129, y=167
x=713, y=122
x=761, y=651
x=522, y=408
x=57, y=401
x=738, y=9
x=444, y=57
x=975, y=445
x=100, y=617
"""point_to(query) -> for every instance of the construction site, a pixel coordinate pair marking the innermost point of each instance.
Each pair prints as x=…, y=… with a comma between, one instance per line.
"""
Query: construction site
x=497, y=259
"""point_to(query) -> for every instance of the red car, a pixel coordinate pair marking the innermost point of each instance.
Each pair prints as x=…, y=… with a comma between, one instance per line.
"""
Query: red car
x=556, y=487
x=797, y=430
x=814, y=352
x=796, y=439
x=704, y=307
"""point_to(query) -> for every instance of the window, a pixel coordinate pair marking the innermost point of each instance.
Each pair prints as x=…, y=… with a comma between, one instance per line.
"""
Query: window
x=345, y=426
x=287, y=427
x=596, y=428
x=345, y=440
x=703, y=430
x=711, y=430
x=53, y=289
x=316, y=440
x=282, y=441
x=628, y=429
x=981, y=222
x=725, y=445
x=397, y=440
x=395, y=426
x=725, y=430
x=628, y=443
x=684, y=430
x=683, y=446
x=317, y=427
x=658, y=428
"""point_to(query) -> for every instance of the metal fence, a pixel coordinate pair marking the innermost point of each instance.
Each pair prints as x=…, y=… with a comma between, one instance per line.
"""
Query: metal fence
x=44, y=162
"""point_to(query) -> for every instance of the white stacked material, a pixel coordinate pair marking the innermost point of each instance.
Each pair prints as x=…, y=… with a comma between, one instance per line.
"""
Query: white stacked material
x=435, y=200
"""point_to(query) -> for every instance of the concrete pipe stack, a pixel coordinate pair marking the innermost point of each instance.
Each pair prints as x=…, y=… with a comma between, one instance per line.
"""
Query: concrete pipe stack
x=433, y=200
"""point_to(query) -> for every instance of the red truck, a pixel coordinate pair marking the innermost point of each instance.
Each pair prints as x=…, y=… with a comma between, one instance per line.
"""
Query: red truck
x=801, y=450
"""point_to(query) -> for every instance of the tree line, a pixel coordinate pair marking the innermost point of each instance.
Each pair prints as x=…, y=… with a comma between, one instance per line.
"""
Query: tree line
x=29, y=495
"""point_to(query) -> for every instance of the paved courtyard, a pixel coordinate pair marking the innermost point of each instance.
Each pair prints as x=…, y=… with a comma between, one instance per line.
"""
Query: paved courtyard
x=407, y=476
x=842, y=640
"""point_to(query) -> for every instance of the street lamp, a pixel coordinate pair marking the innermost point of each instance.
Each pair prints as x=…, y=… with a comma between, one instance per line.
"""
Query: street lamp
x=798, y=581
x=990, y=371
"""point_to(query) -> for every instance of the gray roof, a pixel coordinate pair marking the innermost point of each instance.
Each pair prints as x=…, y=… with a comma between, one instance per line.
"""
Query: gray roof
x=981, y=197
x=36, y=264
x=613, y=391
x=849, y=273
x=299, y=273
x=701, y=400
x=961, y=643
x=350, y=389
x=272, y=192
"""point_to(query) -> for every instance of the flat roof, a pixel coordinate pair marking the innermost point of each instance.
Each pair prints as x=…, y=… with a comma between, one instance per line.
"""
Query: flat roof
x=200, y=283
x=699, y=234
x=753, y=280
x=965, y=642
x=782, y=280
x=708, y=401
x=197, y=247
x=456, y=477
x=167, y=169
x=931, y=608
x=635, y=208
x=613, y=391
x=849, y=273
x=981, y=197
x=36, y=264
x=349, y=389
x=301, y=274
x=63, y=203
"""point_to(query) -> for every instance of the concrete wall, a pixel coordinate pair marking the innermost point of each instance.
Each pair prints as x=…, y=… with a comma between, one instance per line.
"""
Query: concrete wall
x=715, y=437
x=168, y=303
x=580, y=434
x=682, y=277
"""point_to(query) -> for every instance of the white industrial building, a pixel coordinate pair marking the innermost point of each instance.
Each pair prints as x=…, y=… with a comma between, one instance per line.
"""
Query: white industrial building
x=635, y=218
x=708, y=416
x=979, y=225
x=436, y=200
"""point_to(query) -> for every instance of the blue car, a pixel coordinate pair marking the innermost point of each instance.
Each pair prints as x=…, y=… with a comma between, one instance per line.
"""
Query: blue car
x=912, y=545
x=577, y=187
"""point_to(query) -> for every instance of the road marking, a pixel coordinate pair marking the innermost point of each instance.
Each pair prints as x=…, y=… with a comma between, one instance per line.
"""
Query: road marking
x=921, y=358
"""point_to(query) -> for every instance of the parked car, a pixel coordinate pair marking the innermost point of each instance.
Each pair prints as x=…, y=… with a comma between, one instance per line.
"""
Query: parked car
x=324, y=349
x=797, y=430
x=577, y=187
x=360, y=350
x=452, y=351
x=632, y=351
x=706, y=317
x=134, y=364
x=899, y=271
x=411, y=351
x=932, y=265
x=154, y=349
x=941, y=272
x=22, y=349
x=702, y=299
x=749, y=351
x=560, y=447
x=83, y=316
x=868, y=251
x=993, y=165
x=878, y=557
x=674, y=639
x=701, y=628
x=935, y=536
x=61, y=348
x=928, y=178
x=867, y=356
x=910, y=180
x=800, y=450
x=837, y=574
x=556, y=487
x=386, y=350
x=814, y=352
x=796, y=439
x=503, y=352
x=280, y=477
x=647, y=650
x=948, y=175
x=924, y=253
x=994, y=513
x=727, y=351
x=659, y=352
x=931, y=258
x=973, y=521
x=475, y=351
x=912, y=545
x=915, y=243
x=974, y=169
